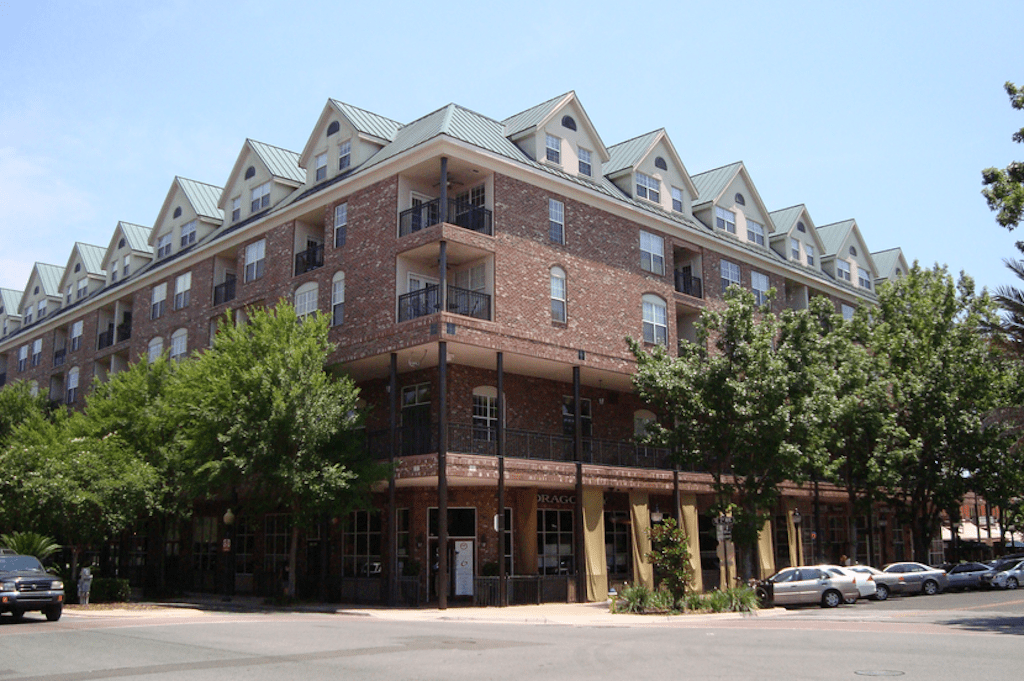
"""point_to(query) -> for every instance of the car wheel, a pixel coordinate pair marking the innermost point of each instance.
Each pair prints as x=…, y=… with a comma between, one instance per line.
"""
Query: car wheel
x=53, y=612
x=1011, y=583
x=831, y=599
x=882, y=592
x=930, y=588
x=17, y=613
x=762, y=596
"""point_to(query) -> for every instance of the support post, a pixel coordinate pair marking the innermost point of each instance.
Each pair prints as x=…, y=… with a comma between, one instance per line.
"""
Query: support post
x=579, y=529
x=500, y=442
x=442, y=474
x=392, y=533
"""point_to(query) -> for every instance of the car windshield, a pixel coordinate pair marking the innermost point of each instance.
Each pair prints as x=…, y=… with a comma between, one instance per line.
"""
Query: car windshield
x=20, y=563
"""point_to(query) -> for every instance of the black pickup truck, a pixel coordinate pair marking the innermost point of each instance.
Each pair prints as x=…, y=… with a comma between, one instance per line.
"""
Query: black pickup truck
x=25, y=585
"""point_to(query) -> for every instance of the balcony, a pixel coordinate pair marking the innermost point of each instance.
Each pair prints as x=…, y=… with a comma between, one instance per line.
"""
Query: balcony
x=689, y=284
x=59, y=356
x=460, y=301
x=124, y=330
x=309, y=259
x=106, y=339
x=467, y=216
x=223, y=293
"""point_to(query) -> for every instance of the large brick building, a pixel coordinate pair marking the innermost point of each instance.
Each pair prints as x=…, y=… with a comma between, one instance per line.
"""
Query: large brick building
x=456, y=255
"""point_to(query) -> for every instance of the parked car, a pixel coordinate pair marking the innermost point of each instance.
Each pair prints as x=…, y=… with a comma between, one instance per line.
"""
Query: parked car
x=25, y=585
x=866, y=586
x=1005, y=574
x=885, y=583
x=806, y=585
x=966, y=575
x=918, y=578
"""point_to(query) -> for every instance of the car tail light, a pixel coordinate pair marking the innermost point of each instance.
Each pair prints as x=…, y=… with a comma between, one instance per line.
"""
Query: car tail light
x=871, y=578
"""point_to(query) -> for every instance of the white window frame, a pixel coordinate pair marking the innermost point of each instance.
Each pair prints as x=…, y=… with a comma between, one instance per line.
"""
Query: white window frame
x=648, y=187
x=83, y=289
x=188, y=233
x=338, y=299
x=22, y=358
x=163, y=246
x=179, y=345
x=842, y=269
x=127, y=266
x=725, y=219
x=809, y=253
x=155, y=349
x=320, y=166
x=306, y=299
x=157, y=301
x=847, y=311
x=72, y=386
x=485, y=413
x=655, y=320
x=559, y=296
x=553, y=148
x=678, y=204
x=759, y=284
x=755, y=232
x=340, y=224
x=236, y=208
x=730, y=273
x=652, y=253
x=37, y=352
x=260, y=197
x=586, y=168
x=255, y=259
x=864, y=279
x=556, y=221
x=77, y=329
x=40, y=309
x=344, y=154
x=182, y=290
x=67, y=294
x=794, y=248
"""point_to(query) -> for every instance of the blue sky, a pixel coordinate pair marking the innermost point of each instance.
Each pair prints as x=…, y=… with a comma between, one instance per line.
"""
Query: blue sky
x=885, y=112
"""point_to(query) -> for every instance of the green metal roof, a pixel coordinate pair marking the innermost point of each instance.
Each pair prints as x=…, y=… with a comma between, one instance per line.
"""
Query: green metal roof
x=886, y=261
x=280, y=162
x=524, y=120
x=136, y=236
x=833, y=235
x=49, y=278
x=629, y=153
x=711, y=183
x=368, y=122
x=203, y=197
x=786, y=218
x=92, y=258
x=11, y=301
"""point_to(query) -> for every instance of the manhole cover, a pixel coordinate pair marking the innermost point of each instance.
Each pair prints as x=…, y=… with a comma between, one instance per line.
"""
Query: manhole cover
x=878, y=672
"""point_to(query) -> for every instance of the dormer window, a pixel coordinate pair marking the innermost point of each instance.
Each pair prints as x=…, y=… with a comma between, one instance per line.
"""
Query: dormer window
x=843, y=270
x=740, y=201
x=568, y=122
x=321, y=166
x=250, y=172
x=236, y=208
x=553, y=149
x=810, y=253
x=163, y=246
x=725, y=219
x=853, y=251
x=755, y=232
x=67, y=295
x=648, y=188
x=78, y=267
x=660, y=163
x=344, y=154
x=177, y=212
x=800, y=227
x=794, y=248
x=83, y=289
x=188, y=233
x=677, y=199
x=585, y=167
x=260, y=197
x=120, y=244
x=864, y=279
x=333, y=128
x=35, y=291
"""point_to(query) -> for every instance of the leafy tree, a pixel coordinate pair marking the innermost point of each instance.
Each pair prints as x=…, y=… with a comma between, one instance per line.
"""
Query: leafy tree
x=1004, y=188
x=730, y=411
x=17, y=405
x=30, y=544
x=259, y=417
x=942, y=378
x=670, y=556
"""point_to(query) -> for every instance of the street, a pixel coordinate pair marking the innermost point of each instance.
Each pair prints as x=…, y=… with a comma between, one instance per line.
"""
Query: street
x=939, y=637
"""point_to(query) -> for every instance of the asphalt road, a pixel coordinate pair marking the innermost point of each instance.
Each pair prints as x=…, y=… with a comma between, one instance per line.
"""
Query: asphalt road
x=949, y=636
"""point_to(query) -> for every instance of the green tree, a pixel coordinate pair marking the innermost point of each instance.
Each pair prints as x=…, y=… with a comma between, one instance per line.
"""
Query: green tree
x=17, y=405
x=260, y=417
x=30, y=544
x=670, y=556
x=730, y=411
x=1004, y=188
x=942, y=377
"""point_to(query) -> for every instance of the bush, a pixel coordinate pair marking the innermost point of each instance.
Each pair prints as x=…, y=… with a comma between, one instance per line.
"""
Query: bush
x=635, y=599
x=640, y=600
x=108, y=590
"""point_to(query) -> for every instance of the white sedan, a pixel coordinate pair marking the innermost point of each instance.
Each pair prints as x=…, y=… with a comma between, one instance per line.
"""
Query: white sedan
x=865, y=583
x=1009, y=578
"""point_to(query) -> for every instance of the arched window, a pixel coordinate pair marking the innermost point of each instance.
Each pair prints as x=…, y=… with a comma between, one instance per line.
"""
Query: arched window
x=800, y=227
x=177, y=212
x=306, y=299
x=853, y=251
x=899, y=272
x=179, y=345
x=156, y=348
x=740, y=201
x=120, y=244
x=485, y=413
x=78, y=267
x=655, y=313
x=72, y=388
x=338, y=299
x=660, y=163
x=333, y=128
x=250, y=172
x=558, y=295
x=568, y=122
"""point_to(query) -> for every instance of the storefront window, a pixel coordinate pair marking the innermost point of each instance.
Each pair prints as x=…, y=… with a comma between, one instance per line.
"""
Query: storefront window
x=554, y=542
x=616, y=543
x=360, y=545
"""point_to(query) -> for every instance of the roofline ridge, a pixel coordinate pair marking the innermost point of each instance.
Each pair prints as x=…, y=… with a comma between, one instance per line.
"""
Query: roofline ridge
x=359, y=108
x=721, y=167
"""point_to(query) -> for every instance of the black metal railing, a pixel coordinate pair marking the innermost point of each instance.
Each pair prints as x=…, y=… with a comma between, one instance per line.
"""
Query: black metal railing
x=225, y=292
x=525, y=589
x=522, y=444
x=59, y=356
x=309, y=259
x=460, y=301
x=428, y=214
x=124, y=330
x=689, y=284
x=106, y=339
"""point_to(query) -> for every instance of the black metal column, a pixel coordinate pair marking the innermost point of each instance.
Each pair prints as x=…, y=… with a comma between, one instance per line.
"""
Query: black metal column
x=442, y=210
x=580, y=530
x=500, y=442
x=442, y=276
x=442, y=474
x=392, y=533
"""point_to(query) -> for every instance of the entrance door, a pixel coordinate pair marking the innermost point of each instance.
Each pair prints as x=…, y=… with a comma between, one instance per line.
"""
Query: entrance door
x=462, y=568
x=425, y=213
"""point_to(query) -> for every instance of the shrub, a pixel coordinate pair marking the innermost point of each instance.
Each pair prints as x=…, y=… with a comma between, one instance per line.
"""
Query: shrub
x=109, y=590
x=670, y=555
x=635, y=599
x=30, y=544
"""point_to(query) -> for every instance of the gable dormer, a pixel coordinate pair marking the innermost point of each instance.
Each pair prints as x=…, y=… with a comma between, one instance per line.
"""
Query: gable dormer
x=891, y=264
x=796, y=238
x=846, y=255
x=83, y=275
x=10, y=311
x=263, y=176
x=343, y=138
x=42, y=294
x=128, y=251
x=559, y=133
x=188, y=214
x=649, y=169
x=730, y=204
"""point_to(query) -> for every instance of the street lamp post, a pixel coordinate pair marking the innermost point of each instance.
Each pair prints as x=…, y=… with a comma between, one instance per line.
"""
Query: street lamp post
x=797, y=518
x=227, y=550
